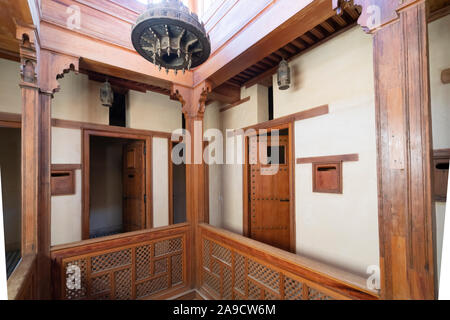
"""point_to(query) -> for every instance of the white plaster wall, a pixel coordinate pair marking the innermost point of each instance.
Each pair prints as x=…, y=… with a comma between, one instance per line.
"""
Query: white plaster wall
x=341, y=229
x=66, y=146
x=66, y=210
x=153, y=111
x=79, y=100
x=160, y=154
x=439, y=48
x=212, y=121
x=66, y=216
x=335, y=71
x=439, y=39
x=10, y=95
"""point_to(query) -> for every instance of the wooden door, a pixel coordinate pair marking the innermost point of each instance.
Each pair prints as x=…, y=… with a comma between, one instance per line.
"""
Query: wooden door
x=269, y=198
x=134, y=197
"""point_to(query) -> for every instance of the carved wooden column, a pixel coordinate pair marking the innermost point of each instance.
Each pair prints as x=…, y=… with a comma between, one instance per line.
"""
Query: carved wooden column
x=193, y=102
x=52, y=66
x=30, y=140
x=406, y=209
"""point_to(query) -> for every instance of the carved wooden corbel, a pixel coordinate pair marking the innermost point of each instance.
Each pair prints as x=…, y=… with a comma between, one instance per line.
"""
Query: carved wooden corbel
x=374, y=13
x=53, y=66
x=193, y=100
x=28, y=55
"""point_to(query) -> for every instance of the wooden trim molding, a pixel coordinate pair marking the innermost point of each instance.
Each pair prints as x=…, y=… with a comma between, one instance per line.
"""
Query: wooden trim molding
x=302, y=115
x=325, y=159
x=238, y=103
x=69, y=124
x=59, y=167
x=441, y=153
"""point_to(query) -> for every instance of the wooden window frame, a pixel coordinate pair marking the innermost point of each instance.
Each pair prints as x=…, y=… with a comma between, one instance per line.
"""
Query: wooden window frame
x=85, y=192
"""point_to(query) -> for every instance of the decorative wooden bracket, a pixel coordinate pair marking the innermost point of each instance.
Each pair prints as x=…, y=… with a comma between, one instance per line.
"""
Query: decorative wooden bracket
x=53, y=66
x=28, y=54
x=375, y=14
x=193, y=100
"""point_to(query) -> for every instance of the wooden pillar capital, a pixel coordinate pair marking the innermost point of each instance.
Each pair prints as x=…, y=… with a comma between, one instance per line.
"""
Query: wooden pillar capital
x=193, y=100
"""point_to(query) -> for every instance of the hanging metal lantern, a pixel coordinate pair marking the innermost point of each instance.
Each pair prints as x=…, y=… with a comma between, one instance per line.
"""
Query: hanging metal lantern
x=168, y=35
x=284, y=75
x=106, y=95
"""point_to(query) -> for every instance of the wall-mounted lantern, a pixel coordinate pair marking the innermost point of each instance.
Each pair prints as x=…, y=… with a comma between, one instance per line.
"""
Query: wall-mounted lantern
x=284, y=75
x=106, y=95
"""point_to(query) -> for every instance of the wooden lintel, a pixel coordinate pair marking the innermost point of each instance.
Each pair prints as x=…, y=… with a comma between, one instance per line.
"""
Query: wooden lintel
x=327, y=159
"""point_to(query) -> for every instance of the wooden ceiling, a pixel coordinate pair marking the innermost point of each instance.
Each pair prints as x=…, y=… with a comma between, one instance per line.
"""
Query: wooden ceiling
x=262, y=71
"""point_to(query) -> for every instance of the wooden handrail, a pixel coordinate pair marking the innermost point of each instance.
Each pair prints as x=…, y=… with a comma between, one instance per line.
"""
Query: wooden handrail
x=335, y=282
x=22, y=282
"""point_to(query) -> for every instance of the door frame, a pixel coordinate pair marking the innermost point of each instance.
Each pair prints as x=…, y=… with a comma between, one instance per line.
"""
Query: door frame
x=288, y=124
x=85, y=160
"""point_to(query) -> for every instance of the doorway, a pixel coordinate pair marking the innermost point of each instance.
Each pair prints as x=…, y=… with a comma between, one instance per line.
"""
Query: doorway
x=116, y=184
x=269, y=214
x=178, y=186
x=10, y=173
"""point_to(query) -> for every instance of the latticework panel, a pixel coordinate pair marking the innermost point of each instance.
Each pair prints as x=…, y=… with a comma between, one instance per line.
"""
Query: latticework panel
x=314, y=294
x=293, y=290
x=221, y=253
x=100, y=284
x=78, y=288
x=151, y=287
x=143, y=262
x=123, y=284
x=177, y=269
x=139, y=270
x=110, y=260
x=228, y=273
x=264, y=275
x=161, y=266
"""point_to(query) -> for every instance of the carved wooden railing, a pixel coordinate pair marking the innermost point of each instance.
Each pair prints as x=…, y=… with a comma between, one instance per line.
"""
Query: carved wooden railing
x=22, y=282
x=238, y=268
x=150, y=264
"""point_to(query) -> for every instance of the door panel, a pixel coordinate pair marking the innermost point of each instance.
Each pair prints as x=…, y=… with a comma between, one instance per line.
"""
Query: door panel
x=134, y=186
x=269, y=196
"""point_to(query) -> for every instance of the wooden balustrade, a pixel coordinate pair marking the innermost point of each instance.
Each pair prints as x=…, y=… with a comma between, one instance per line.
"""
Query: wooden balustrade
x=148, y=264
x=234, y=267
x=22, y=283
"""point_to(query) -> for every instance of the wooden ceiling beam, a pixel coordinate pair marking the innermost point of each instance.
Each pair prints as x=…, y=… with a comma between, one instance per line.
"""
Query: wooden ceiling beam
x=327, y=26
x=226, y=93
x=273, y=29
